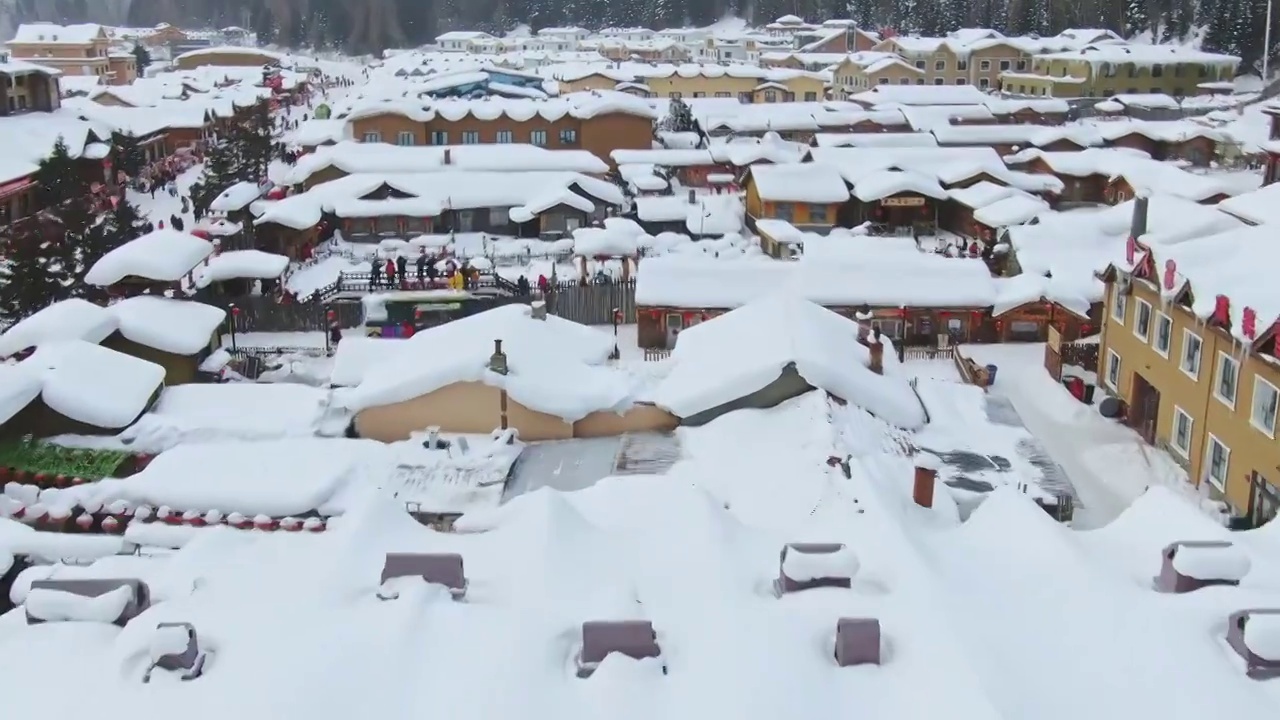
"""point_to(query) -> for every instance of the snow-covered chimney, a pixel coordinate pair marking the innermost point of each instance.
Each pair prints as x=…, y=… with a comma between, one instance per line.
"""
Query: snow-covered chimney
x=538, y=310
x=926, y=473
x=876, y=346
x=448, y=156
x=1139, y=226
x=693, y=197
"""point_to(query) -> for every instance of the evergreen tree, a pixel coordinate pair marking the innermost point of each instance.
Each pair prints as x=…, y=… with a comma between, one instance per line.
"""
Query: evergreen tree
x=129, y=156
x=31, y=277
x=221, y=171
x=123, y=224
x=58, y=180
x=67, y=216
x=679, y=118
x=141, y=57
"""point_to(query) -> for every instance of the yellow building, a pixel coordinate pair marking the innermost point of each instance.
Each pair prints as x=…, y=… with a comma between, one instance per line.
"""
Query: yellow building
x=1110, y=69
x=975, y=59
x=72, y=49
x=1205, y=389
x=862, y=71
x=744, y=82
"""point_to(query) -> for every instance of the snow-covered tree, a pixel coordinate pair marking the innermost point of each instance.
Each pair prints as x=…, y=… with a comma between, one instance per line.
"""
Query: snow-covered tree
x=32, y=275
x=123, y=224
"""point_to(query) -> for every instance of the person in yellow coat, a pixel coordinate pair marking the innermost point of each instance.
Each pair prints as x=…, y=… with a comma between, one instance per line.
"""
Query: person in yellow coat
x=455, y=280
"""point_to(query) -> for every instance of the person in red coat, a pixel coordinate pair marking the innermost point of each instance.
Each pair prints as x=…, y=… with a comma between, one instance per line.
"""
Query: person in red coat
x=391, y=272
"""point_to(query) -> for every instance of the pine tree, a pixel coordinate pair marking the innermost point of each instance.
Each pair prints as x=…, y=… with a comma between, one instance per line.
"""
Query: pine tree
x=58, y=179
x=221, y=171
x=30, y=278
x=129, y=156
x=67, y=216
x=123, y=224
x=141, y=57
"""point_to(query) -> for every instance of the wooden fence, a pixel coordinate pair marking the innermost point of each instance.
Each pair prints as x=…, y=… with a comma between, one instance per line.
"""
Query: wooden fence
x=264, y=313
x=594, y=303
x=656, y=354
x=926, y=353
x=1082, y=355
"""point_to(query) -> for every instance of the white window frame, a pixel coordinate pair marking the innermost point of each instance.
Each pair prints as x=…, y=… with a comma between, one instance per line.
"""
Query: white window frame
x=1193, y=373
x=406, y=138
x=1138, y=331
x=1221, y=484
x=1224, y=360
x=1113, y=362
x=1179, y=413
x=1162, y=319
x=1119, y=304
x=1253, y=407
x=371, y=137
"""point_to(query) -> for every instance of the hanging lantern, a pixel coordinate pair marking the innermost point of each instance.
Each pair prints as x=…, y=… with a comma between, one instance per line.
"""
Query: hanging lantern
x=1170, y=273
x=291, y=524
x=264, y=522
x=213, y=517
x=111, y=526
x=1222, y=311
x=84, y=522
x=1130, y=250
x=314, y=524
x=191, y=517
x=1249, y=323
x=144, y=513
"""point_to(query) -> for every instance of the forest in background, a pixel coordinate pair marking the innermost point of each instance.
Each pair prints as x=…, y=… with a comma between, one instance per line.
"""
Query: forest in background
x=1231, y=26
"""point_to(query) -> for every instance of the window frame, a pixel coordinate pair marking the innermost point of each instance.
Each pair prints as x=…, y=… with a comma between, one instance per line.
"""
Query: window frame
x=1119, y=304
x=406, y=134
x=1113, y=362
x=1179, y=413
x=1258, y=380
x=372, y=136
x=534, y=136
x=1194, y=374
x=1223, y=360
x=470, y=137
x=1143, y=334
x=1220, y=484
x=1162, y=319
x=505, y=137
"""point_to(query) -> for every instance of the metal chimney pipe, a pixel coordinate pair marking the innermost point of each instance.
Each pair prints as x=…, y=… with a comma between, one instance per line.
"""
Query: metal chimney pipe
x=1138, y=228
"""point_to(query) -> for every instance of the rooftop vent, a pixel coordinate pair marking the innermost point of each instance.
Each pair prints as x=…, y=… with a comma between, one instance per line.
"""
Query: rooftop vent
x=1191, y=565
x=634, y=638
x=1255, y=636
x=175, y=648
x=435, y=568
x=110, y=601
x=857, y=641
x=803, y=566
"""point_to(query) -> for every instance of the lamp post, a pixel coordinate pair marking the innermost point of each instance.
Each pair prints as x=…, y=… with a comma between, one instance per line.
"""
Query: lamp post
x=235, y=313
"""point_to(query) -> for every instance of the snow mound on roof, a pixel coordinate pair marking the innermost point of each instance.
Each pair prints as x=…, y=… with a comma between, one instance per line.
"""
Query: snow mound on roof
x=19, y=385
x=555, y=366
x=744, y=350
x=73, y=319
x=161, y=255
x=97, y=386
x=181, y=327
x=228, y=411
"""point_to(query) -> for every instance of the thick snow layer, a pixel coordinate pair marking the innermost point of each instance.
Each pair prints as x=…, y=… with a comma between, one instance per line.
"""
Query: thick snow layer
x=236, y=198
x=251, y=264
x=96, y=386
x=182, y=327
x=947, y=165
x=161, y=255
x=73, y=319
x=228, y=411
x=57, y=605
x=19, y=385
x=357, y=158
x=743, y=351
x=804, y=567
x=706, y=215
x=807, y=182
x=172, y=640
x=355, y=355
x=23, y=540
x=556, y=366
x=1262, y=636
x=1212, y=563
x=1227, y=264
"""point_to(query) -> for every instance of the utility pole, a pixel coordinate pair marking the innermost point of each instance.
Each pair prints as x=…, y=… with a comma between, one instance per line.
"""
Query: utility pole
x=1266, y=47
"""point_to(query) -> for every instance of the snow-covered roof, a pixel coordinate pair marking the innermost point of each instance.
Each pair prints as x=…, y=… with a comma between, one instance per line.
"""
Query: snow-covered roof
x=163, y=255
x=73, y=319
x=236, y=264
x=943, y=165
x=429, y=194
x=556, y=366
x=177, y=326
x=1258, y=207
x=1142, y=55
x=236, y=198
x=706, y=215
x=890, y=139
x=354, y=157
x=354, y=356
x=804, y=182
x=921, y=95
x=1145, y=175
x=742, y=351
x=41, y=33
x=91, y=384
x=232, y=50
x=580, y=105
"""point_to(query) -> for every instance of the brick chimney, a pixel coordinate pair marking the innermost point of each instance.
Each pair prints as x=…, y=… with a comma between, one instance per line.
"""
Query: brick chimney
x=876, y=346
x=926, y=473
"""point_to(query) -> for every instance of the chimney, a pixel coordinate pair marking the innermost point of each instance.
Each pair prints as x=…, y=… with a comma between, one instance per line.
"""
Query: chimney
x=433, y=437
x=448, y=156
x=693, y=197
x=538, y=310
x=217, y=246
x=925, y=475
x=498, y=364
x=1139, y=226
x=876, y=346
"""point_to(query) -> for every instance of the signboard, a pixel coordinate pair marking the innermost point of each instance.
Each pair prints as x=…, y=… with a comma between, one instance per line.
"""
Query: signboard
x=437, y=307
x=1055, y=339
x=323, y=112
x=902, y=202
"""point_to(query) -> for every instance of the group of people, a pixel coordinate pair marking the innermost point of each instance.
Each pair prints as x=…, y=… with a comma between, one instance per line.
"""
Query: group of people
x=394, y=272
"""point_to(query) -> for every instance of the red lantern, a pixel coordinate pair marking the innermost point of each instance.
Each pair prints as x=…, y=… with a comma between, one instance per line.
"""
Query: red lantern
x=331, y=315
x=111, y=525
x=1249, y=323
x=1222, y=310
x=314, y=524
x=84, y=522
x=1170, y=271
x=235, y=311
x=291, y=524
x=262, y=522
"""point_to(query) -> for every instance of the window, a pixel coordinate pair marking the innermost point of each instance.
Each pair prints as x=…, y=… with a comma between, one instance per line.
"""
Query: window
x=818, y=213
x=538, y=137
x=811, y=97
x=470, y=137
x=904, y=81
x=962, y=64
x=406, y=138
x=568, y=137
x=1228, y=376
x=938, y=81
x=1190, y=354
x=372, y=137
x=919, y=64
x=1119, y=304
x=699, y=94
x=744, y=97
x=1022, y=65
x=1113, y=370
x=1164, y=334
x=920, y=81
x=1142, y=321
x=961, y=81
x=1217, y=458
x=883, y=81
x=984, y=83
x=674, y=95
x=984, y=65
x=782, y=211
x=1266, y=399
x=724, y=95
x=1004, y=66
x=499, y=216
x=505, y=136
x=770, y=96
x=1157, y=71
x=439, y=137
x=939, y=65
x=1180, y=438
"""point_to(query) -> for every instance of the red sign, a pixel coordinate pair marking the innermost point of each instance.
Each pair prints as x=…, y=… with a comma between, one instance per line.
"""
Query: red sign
x=1170, y=271
x=1249, y=323
x=1222, y=310
x=1130, y=250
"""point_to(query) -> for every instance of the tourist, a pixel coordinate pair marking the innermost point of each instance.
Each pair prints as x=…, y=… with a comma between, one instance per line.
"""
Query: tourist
x=522, y=286
x=375, y=273
x=401, y=263
x=391, y=272
x=542, y=285
x=421, y=267
x=433, y=270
